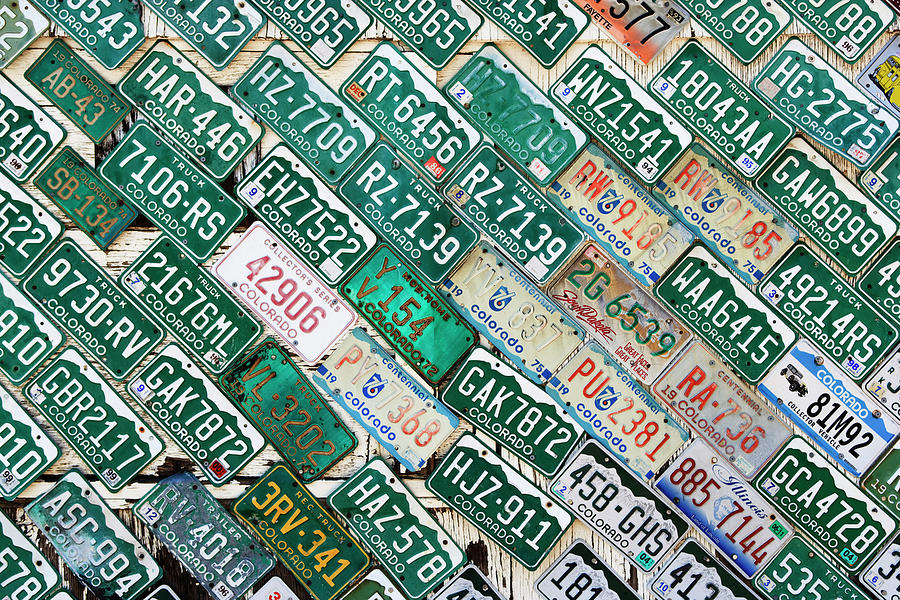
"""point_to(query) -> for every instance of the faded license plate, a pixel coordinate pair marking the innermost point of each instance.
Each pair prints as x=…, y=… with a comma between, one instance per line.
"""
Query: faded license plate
x=184, y=516
x=721, y=109
x=156, y=178
x=877, y=80
x=391, y=521
x=407, y=212
x=693, y=574
x=510, y=109
x=22, y=24
x=881, y=181
x=580, y=574
x=469, y=584
x=499, y=401
x=487, y=491
x=27, y=229
x=28, y=134
x=621, y=508
x=177, y=97
x=883, y=574
x=407, y=108
x=626, y=22
x=740, y=522
x=26, y=573
x=25, y=450
x=849, y=27
x=27, y=337
x=745, y=28
x=722, y=410
x=374, y=586
x=884, y=385
x=879, y=284
x=399, y=412
x=189, y=407
x=802, y=573
x=513, y=213
x=883, y=481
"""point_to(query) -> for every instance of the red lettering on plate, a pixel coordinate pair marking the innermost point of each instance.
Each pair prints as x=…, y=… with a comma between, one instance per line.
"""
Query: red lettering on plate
x=435, y=167
x=587, y=314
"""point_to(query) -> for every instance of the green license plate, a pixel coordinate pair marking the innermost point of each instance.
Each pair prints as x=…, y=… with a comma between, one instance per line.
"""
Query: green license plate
x=304, y=536
x=25, y=572
x=278, y=398
x=103, y=429
x=27, y=337
x=192, y=411
x=881, y=575
x=469, y=584
x=619, y=314
x=743, y=430
x=434, y=31
x=826, y=504
x=628, y=121
x=409, y=314
x=849, y=27
x=25, y=450
x=177, y=97
x=620, y=215
x=320, y=127
x=28, y=134
x=374, y=586
x=22, y=24
x=220, y=554
x=882, y=481
x=745, y=28
x=880, y=284
x=403, y=415
x=800, y=572
x=512, y=313
x=499, y=401
x=821, y=102
x=579, y=573
x=27, y=229
x=621, y=508
x=514, y=214
x=163, y=592
x=815, y=299
x=78, y=91
x=642, y=27
x=746, y=332
x=193, y=307
x=383, y=513
x=407, y=108
x=156, y=177
x=109, y=30
x=516, y=114
x=98, y=548
x=727, y=215
x=301, y=209
x=408, y=213
x=87, y=303
x=88, y=200
x=826, y=206
x=881, y=181
x=693, y=574
x=721, y=109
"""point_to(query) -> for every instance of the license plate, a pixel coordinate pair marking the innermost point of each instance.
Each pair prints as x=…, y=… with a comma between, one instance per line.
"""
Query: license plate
x=516, y=114
x=882, y=481
x=626, y=513
x=27, y=229
x=469, y=584
x=409, y=314
x=616, y=411
x=579, y=573
x=722, y=410
x=826, y=504
x=276, y=589
x=502, y=403
x=627, y=22
x=193, y=307
x=92, y=204
x=878, y=284
x=693, y=574
x=27, y=337
x=87, y=303
x=814, y=298
x=834, y=412
x=408, y=213
x=78, y=91
x=28, y=135
x=268, y=387
x=168, y=89
x=109, y=560
x=161, y=593
x=884, y=385
x=283, y=292
x=745, y=29
x=109, y=31
x=491, y=495
x=649, y=140
x=383, y=513
x=374, y=586
x=849, y=27
x=22, y=24
x=320, y=127
x=801, y=573
x=743, y=230
x=109, y=436
x=833, y=111
x=514, y=214
x=719, y=502
x=881, y=181
x=406, y=107
x=620, y=215
x=220, y=554
x=25, y=450
x=826, y=206
x=725, y=314
x=534, y=333
x=721, y=109
x=404, y=416
x=877, y=79
x=192, y=411
x=155, y=177
x=619, y=314
x=882, y=576
x=26, y=573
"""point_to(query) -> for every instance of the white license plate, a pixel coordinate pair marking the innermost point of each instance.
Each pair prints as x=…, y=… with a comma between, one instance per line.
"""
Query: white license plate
x=883, y=575
x=884, y=385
